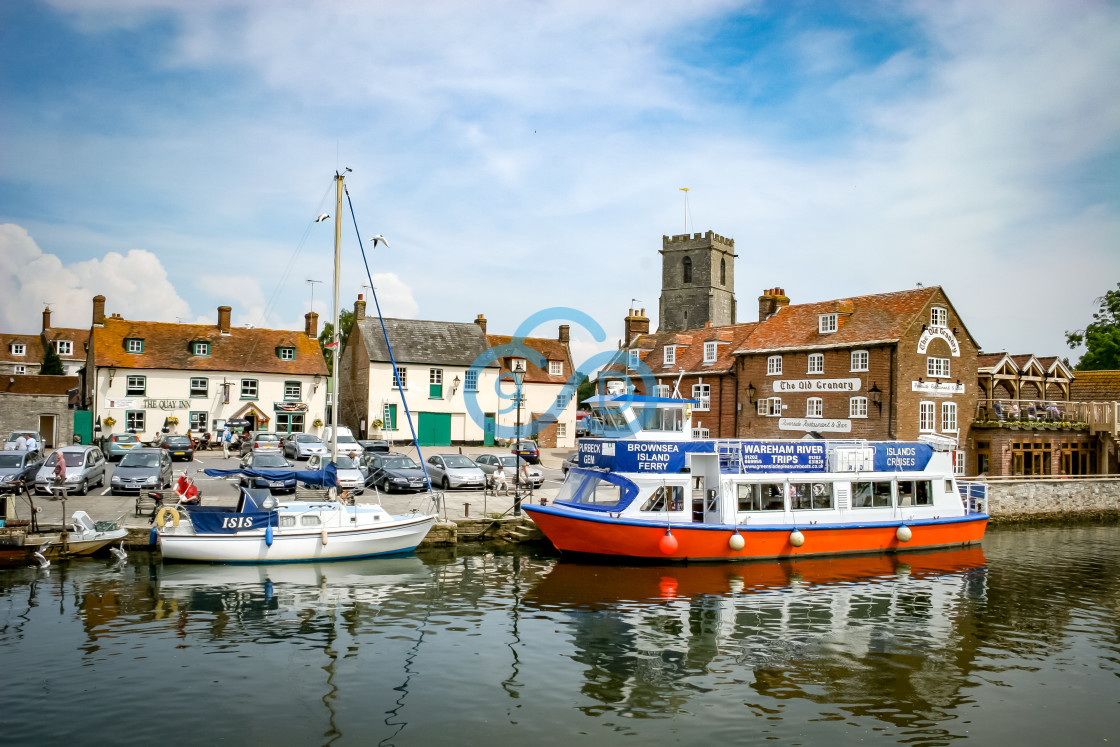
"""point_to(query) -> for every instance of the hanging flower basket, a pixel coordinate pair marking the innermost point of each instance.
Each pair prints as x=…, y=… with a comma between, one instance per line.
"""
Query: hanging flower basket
x=317, y=423
x=110, y=422
x=173, y=421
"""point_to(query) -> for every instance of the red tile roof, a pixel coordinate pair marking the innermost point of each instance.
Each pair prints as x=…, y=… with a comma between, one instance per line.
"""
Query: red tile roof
x=80, y=338
x=37, y=384
x=168, y=346
x=690, y=348
x=883, y=317
x=34, y=348
x=553, y=350
x=1095, y=386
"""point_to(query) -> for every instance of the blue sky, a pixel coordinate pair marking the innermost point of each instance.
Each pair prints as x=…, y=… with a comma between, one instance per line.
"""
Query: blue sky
x=519, y=156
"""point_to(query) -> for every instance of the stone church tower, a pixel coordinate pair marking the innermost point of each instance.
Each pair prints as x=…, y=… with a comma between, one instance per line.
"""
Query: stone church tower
x=697, y=281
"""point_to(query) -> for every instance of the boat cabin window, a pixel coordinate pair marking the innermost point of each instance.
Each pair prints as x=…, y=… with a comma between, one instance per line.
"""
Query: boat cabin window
x=666, y=495
x=589, y=489
x=309, y=520
x=811, y=495
x=760, y=496
x=287, y=521
x=871, y=494
x=611, y=418
x=915, y=493
x=664, y=419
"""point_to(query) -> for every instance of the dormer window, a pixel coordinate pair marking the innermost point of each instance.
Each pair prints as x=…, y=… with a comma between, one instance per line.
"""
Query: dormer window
x=827, y=323
x=134, y=345
x=709, y=352
x=632, y=359
x=64, y=347
x=938, y=317
x=287, y=354
x=670, y=355
x=201, y=348
x=18, y=348
x=556, y=368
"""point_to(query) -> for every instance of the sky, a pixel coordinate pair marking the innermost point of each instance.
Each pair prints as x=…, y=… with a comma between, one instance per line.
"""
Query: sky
x=520, y=156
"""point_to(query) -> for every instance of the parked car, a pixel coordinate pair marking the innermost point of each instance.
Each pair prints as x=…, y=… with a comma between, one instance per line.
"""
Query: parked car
x=489, y=464
x=118, y=444
x=266, y=462
x=350, y=475
x=303, y=446
x=178, y=447
x=455, y=471
x=528, y=451
x=389, y=472
x=572, y=461
x=347, y=444
x=374, y=446
x=260, y=440
x=10, y=444
x=142, y=469
x=85, y=468
x=17, y=470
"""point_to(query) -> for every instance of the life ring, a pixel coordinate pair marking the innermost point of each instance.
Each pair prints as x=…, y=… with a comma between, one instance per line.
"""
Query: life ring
x=164, y=514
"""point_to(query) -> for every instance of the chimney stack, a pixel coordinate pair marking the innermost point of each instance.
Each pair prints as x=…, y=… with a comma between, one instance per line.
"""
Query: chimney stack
x=311, y=324
x=360, y=308
x=46, y=318
x=563, y=337
x=770, y=301
x=480, y=320
x=99, y=310
x=223, y=319
x=636, y=324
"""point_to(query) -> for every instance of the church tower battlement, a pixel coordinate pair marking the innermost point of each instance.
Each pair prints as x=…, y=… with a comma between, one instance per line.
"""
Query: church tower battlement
x=697, y=281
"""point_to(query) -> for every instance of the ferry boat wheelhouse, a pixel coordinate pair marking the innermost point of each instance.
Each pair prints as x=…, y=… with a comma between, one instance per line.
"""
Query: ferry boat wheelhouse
x=646, y=489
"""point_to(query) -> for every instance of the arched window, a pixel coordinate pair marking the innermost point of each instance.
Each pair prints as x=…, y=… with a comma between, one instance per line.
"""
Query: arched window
x=723, y=272
x=687, y=263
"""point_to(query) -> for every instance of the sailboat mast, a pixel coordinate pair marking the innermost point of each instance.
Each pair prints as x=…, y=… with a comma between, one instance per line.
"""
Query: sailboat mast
x=335, y=332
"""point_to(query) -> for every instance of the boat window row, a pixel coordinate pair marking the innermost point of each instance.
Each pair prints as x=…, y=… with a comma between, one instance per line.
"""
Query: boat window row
x=816, y=496
x=308, y=520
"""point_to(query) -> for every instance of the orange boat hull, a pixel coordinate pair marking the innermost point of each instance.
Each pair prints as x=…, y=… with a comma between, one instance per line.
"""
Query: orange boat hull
x=599, y=535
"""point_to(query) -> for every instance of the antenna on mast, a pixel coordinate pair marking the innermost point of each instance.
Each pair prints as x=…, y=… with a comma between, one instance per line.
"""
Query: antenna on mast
x=312, y=283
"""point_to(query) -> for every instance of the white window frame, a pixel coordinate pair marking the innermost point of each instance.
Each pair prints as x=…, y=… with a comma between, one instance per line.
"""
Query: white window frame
x=816, y=363
x=134, y=345
x=938, y=316
x=435, y=376
x=662, y=390
x=250, y=388
x=561, y=430
x=64, y=347
x=400, y=378
x=632, y=359
x=700, y=433
x=205, y=386
x=827, y=323
x=861, y=360
x=287, y=354
x=857, y=407
x=21, y=369
x=770, y=407
x=927, y=417
x=18, y=348
x=470, y=380
x=136, y=382
x=293, y=391
x=702, y=393
x=814, y=407
x=556, y=368
x=949, y=417
x=202, y=348
x=958, y=463
x=670, y=355
x=774, y=365
x=937, y=368
x=710, y=351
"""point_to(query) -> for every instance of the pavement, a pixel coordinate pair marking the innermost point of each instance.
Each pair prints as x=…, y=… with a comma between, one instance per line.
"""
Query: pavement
x=216, y=491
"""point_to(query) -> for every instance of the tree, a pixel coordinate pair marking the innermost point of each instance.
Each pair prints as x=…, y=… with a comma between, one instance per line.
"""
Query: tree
x=345, y=322
x=586, y=389
x=52, y=364
x=1101, y=337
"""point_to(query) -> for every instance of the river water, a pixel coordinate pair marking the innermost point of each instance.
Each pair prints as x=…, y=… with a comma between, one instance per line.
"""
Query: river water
x=1015, y=642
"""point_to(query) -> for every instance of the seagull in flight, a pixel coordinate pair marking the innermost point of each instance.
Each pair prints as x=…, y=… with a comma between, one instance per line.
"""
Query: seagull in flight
x=380, y=238
x=322, y=217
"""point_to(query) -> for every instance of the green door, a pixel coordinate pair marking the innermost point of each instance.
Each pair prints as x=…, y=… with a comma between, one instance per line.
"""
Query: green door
x=83, y=426
x=488, y=433
x=434, y=428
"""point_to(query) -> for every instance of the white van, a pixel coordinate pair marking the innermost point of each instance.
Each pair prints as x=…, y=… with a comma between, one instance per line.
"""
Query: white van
x=346, y=440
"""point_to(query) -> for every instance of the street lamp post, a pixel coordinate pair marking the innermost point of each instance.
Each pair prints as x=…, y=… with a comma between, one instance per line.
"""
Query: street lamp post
x=518, y=374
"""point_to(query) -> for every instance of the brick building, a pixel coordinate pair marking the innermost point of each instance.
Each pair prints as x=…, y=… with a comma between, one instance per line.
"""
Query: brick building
x=24, y=354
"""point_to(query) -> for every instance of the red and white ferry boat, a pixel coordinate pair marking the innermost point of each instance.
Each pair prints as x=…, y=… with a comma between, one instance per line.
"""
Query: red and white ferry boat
x=646, y=489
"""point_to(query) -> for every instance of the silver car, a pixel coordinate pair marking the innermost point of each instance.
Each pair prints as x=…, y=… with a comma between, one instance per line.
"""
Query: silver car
x=350, y=475
x=455, y=471
x=85, y=468
x=142, y=469
x=303, y=446
x=509, y=462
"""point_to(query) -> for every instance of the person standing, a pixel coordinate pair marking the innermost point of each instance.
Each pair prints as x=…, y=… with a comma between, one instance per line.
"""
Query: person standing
x=227, y=437
x=21, y=443
x=32, y=444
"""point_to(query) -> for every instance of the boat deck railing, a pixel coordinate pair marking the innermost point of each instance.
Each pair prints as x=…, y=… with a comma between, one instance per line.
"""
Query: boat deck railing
x=974, y=495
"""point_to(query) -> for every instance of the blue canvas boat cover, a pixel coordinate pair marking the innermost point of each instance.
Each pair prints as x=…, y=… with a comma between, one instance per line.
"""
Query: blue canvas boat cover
x=318, y=478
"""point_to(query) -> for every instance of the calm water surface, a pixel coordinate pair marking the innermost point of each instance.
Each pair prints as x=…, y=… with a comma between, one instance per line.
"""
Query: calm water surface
x=1017, y=642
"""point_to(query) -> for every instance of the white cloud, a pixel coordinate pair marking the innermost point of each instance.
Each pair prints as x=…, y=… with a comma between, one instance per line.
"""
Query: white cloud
x=134, y=284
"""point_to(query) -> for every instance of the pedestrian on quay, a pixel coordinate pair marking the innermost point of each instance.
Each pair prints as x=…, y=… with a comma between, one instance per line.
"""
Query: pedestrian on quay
x=21, y=443
x=227, y=437
x=32, y=444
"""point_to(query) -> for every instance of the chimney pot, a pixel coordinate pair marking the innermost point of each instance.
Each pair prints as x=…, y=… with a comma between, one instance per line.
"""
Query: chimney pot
x=360, y=308
x=480, y=320
x=311, y=324
x=99, y=310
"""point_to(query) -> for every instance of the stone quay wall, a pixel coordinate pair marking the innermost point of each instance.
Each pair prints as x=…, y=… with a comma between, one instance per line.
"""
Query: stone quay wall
x=1050, y=499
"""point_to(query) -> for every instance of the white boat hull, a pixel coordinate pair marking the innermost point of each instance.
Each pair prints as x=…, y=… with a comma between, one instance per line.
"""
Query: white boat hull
x=295, y=545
